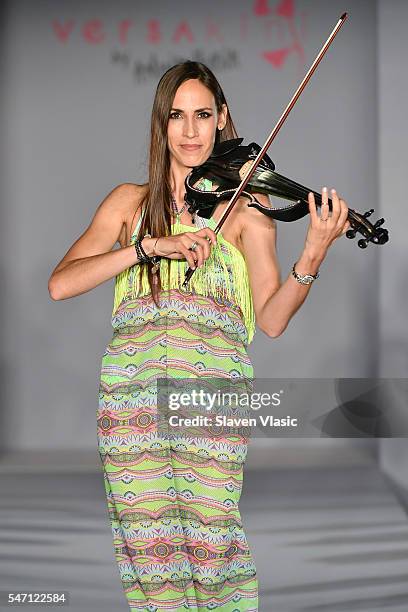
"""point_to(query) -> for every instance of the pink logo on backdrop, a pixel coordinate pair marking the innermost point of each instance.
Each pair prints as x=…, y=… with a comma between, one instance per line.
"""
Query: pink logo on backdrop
x=276, y=27
x=281, y=18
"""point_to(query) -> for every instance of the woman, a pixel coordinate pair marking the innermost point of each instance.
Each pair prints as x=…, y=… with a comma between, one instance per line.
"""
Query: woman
x=173, y=505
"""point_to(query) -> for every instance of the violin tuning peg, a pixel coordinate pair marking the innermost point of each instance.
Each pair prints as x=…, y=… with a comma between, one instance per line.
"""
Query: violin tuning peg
x=363, y=243
x=351, y=233
x=368, y=213
x=381, y=237
x=379, y=222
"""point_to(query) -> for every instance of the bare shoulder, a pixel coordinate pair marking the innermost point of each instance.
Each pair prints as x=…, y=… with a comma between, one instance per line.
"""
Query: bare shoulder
x=118, y=202
x=251, y=221
x=129, y=198
x=116, y=207
x=244, y=220
x=126, y=197
x=129, y=192
x=108, y=225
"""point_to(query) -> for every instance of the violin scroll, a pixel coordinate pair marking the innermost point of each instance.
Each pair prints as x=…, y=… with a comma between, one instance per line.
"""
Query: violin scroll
x=372, y=233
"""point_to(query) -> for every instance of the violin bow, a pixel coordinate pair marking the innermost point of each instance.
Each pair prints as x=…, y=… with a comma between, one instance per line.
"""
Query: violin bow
x=273, y=133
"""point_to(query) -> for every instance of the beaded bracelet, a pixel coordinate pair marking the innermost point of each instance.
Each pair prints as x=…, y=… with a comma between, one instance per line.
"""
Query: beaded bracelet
x=143, y=257
x=141, y=254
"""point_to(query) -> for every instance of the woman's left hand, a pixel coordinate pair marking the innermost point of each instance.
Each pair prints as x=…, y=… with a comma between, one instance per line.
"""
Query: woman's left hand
x=325, y=228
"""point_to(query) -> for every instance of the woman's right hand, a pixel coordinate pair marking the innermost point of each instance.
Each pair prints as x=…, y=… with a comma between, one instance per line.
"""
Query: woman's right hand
x=178, y=246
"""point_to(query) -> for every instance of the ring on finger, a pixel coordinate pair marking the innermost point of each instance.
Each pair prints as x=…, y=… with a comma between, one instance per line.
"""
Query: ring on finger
x=193, y=246
x=326, y=218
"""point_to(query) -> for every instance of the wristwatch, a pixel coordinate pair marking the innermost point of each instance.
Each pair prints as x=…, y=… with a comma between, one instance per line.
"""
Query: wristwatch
x=304, y=279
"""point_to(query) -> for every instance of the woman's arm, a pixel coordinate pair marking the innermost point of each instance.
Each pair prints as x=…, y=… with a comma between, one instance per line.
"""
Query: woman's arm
x=90, y=261
x=275, y=302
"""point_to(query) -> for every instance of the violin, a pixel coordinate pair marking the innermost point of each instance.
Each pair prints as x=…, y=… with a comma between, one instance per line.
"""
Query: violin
x=244, y=170
x=227, y=165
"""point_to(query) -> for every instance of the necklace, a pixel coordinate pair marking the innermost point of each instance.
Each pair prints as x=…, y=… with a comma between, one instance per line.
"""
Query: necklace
x=177, y=212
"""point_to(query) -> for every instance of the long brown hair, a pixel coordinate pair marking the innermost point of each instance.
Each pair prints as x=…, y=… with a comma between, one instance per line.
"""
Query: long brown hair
x=156, y=200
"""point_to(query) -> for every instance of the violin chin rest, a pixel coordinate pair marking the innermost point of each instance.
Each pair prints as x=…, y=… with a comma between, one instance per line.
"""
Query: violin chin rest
x=226, y=146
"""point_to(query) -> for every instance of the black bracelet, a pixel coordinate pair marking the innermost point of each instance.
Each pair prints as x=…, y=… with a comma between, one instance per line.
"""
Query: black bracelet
x=142, y=255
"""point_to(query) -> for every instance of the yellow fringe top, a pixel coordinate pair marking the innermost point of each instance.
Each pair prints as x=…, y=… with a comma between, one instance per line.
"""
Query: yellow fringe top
x=223, y=275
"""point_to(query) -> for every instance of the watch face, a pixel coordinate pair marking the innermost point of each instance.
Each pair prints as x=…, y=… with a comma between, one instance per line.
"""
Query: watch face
x=304, y=279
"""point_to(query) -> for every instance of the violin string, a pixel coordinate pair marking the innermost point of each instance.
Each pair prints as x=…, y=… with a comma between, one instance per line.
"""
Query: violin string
x=289, y=188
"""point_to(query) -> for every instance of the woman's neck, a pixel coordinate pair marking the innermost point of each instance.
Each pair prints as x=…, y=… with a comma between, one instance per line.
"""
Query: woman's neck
x=178, y=176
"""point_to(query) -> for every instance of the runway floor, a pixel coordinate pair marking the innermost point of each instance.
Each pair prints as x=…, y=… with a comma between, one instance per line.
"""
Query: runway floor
x=324, y=539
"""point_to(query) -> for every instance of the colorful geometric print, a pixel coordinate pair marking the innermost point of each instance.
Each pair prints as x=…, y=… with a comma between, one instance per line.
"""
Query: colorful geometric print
x=224, y=276
x=173, y=503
